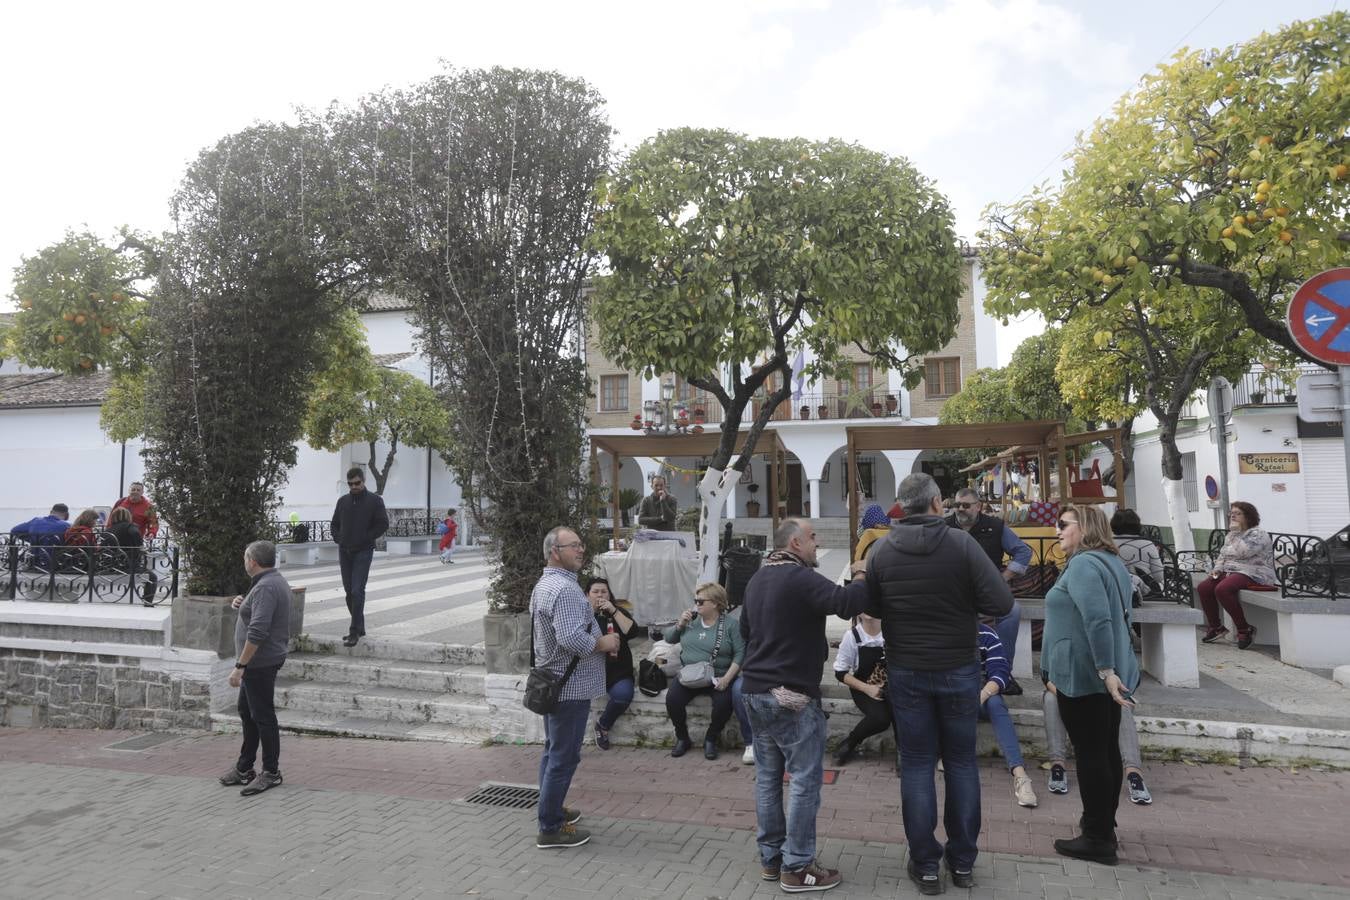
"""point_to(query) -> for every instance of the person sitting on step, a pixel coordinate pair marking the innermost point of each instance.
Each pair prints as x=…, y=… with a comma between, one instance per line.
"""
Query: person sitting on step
x=997, y=672
x=707, y=635
x=612, y=619
x=860, y=665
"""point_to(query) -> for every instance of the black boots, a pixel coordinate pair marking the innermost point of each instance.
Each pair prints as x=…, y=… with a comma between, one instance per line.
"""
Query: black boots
x=1098, y=850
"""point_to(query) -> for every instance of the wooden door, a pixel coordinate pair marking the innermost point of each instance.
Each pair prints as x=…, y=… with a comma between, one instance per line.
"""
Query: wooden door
x=794, y=489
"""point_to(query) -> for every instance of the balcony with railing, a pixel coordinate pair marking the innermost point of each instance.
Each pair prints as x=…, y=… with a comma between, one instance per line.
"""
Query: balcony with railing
x=1265, y=387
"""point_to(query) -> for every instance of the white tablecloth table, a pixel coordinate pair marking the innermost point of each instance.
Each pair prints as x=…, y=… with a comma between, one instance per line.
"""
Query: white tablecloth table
x=656, y=577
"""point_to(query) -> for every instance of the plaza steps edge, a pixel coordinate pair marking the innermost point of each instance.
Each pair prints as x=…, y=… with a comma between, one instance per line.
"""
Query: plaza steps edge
x=391, y=649
x=293, y=722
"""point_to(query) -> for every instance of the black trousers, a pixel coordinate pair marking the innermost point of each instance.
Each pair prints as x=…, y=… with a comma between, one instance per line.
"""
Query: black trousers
x=678, y=697
x=1093, y=725
x=259, y=717
x=877, y=717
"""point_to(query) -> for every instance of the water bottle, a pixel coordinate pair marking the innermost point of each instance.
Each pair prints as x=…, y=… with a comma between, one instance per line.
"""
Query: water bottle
x=609, y=629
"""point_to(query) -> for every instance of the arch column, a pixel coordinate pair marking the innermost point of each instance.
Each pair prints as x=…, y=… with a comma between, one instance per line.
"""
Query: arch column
x=815, y=497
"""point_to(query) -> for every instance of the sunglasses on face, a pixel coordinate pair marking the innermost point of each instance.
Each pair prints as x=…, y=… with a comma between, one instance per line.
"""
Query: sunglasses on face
x=1063, y=524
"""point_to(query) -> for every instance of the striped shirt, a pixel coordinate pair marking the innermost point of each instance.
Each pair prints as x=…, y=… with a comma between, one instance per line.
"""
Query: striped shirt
x=992, y=658
x=564, y=626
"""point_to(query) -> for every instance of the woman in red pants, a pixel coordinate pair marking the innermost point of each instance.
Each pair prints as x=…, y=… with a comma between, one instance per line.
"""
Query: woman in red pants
x=1246, y=559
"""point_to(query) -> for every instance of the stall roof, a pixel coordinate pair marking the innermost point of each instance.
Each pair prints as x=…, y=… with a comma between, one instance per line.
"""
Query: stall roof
x=993, y=437
x=651, y=445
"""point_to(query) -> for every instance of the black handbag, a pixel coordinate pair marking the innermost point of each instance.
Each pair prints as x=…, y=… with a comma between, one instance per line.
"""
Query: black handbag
x=651, y=679
x=543, y=689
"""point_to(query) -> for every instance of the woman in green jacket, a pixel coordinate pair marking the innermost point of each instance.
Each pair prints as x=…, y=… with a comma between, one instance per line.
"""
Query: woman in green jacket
x=1087, y=660
x=707, y=634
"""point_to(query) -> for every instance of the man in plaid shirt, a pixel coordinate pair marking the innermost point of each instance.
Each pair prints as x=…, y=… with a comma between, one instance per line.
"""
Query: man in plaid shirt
x=564, y=627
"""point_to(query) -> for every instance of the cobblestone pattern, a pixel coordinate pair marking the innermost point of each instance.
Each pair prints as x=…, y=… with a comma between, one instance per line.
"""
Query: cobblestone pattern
x=79, y=690
x=72, y=831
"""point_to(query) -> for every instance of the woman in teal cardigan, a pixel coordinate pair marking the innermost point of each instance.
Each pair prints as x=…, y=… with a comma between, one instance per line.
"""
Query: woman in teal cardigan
x=1087, y=660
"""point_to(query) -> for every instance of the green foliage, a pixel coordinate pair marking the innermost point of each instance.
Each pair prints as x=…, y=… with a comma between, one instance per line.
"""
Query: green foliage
x=122, y=416
x=246, y=293
x=724, y=250
x=471, y=194
x=1028, y=388
x=1225, y=170
x=80, y=309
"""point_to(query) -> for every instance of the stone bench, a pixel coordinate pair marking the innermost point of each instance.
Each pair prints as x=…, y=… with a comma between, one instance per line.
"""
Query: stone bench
x=307, y=553
x=412, y=545
x=1311, y=633
x=1169, y=644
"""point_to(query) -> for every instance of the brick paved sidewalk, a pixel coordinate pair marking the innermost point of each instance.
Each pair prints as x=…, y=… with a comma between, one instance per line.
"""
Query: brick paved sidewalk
x=367, y=818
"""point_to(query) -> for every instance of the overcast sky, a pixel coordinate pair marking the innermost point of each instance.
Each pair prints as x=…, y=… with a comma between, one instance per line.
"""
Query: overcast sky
x=105, y=104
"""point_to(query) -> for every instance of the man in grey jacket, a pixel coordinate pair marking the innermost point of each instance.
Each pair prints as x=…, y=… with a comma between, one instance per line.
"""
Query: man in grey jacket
x=262, y=635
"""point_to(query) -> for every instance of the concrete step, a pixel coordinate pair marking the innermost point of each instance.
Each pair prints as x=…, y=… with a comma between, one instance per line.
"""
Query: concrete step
x=333, y=702
x=293, y=722
x=391, y=649
x=359, y=671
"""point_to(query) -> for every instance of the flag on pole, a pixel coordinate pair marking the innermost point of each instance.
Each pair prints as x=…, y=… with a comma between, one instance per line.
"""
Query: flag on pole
x=798, y=376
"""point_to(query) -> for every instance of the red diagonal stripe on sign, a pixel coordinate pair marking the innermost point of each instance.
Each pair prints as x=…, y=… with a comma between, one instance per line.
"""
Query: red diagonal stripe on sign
x=1334, y=331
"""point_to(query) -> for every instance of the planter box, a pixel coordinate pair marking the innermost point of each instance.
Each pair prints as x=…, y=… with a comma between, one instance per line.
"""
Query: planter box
x=506, y=643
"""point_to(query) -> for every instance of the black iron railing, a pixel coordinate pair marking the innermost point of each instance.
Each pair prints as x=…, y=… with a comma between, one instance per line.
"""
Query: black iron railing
x=1303, y=565
x=285, y=531
x=92, y=573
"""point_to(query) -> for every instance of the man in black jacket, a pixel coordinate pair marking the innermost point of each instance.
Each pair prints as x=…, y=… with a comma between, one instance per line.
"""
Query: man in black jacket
x=929, y=584
x=783, y=623
x=358, y=520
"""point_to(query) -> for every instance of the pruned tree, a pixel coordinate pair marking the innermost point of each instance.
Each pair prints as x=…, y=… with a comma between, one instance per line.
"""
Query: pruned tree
x=471, y=194
x=723, y=250
x=246, y=292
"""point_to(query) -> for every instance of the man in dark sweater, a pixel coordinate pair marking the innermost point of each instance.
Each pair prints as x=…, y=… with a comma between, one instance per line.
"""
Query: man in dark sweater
x=262, y=635
x=929, y=584
x=358, y=520
x=783, y=623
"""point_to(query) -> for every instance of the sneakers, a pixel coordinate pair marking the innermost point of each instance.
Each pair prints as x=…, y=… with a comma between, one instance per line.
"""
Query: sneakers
x=770, y=871
x=1213, y=634
x=571, y=816
x=748, y=757
x=962, y=880
x=1245, y=637
x=931, y=885
x=1022, y=790
x=601, y=737
x=1059, y=780
x=234, y=776
x=566, y=836
x=1138, y=790
x=265, y=781
x=812, y=878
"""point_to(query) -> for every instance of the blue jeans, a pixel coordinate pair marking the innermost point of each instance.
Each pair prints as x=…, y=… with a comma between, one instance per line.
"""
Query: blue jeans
x=1006, y=628
x=355, y=566
x=793, y=742
x=936, y=713
x=995, y=711
x=620, y=696
x=564, y=730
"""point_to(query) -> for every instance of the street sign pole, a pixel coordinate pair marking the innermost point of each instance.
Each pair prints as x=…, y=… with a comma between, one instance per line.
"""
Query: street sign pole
x=1345, y=420
x=1220, y=411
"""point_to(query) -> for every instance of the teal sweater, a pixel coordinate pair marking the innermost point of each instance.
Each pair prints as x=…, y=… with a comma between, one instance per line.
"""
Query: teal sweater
x=1087, y=625
x=696, y=642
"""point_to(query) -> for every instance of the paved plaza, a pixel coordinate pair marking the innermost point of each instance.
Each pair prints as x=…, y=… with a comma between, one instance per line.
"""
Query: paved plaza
x=114, y=815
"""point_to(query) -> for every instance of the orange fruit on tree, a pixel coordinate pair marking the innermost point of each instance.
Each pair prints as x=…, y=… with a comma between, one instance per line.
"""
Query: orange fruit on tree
x=1228, y=232
x=1286, y=236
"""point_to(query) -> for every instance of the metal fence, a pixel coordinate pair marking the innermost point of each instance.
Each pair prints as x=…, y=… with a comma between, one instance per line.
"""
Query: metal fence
x=94, y=573
x=307, y=531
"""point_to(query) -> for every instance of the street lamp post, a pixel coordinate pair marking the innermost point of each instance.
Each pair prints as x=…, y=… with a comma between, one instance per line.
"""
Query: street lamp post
x=657, y=414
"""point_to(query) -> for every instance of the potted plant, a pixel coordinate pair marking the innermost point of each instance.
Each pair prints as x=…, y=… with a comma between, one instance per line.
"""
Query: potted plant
x=700, y=415
x=892, y=404
x=822, y=411
x=876, y=409
x=752, y=505
x=636, y=424
x=805, y=412
x=628, y=498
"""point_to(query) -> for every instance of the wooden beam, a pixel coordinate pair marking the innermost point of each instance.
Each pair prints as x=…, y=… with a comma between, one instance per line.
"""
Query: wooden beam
x=851, y=485
x=614, y=495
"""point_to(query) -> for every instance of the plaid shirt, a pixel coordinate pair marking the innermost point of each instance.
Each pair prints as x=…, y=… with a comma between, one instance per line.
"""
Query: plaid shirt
x=564, y=626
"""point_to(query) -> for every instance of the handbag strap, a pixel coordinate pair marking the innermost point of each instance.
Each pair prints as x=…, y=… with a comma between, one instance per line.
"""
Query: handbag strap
x=717, y=644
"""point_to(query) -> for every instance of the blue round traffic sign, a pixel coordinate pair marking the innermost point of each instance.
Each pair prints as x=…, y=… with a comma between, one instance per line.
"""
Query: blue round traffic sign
x=1211, y=488
x=1319, y=317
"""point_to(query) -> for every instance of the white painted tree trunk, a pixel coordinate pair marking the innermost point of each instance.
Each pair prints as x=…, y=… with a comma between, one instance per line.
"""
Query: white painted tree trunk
x=1175, y=494
x=712, y=493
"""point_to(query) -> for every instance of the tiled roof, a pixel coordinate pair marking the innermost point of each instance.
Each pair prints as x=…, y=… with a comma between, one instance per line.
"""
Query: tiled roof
x=388, y=360
x=386, y=303
x=49, y=389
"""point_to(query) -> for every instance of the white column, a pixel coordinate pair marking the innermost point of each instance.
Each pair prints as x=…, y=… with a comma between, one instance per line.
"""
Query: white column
x=815, y=498
x=730, y=512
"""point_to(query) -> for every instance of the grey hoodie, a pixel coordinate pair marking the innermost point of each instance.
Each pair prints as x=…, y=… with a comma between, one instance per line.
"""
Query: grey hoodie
x=929, y=583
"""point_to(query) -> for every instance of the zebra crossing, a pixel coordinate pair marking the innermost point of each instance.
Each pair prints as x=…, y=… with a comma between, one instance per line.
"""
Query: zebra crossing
x=413, y=598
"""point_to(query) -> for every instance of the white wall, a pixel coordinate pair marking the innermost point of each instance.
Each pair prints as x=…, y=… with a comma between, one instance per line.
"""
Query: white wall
x=388, y=332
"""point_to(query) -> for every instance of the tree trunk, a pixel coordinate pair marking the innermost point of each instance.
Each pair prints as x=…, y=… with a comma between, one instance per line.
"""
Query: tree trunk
x=382, y=475
x=712, y=493
x=1174, y=490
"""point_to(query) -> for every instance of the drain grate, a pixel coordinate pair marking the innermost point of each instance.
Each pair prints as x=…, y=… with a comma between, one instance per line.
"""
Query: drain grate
x=511, y=796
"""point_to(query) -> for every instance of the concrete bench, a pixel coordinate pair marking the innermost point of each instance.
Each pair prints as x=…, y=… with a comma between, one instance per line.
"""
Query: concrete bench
x=1311, y=633
x=1169, y=644
x=307, y=553
x=412, y=545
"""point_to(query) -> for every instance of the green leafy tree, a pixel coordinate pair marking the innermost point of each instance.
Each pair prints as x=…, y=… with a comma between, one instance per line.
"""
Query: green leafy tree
x=1026, y=389
x=81, y=305
x=396, y=410
x=724, y=250
x=246, y=293
x=1225, y=170
x=471, y=194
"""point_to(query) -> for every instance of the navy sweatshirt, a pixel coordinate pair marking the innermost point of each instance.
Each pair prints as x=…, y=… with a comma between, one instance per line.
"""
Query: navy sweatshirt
x=783, y=623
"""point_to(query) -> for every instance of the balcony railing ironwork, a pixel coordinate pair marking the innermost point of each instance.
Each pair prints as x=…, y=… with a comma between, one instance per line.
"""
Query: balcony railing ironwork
x=101, y=572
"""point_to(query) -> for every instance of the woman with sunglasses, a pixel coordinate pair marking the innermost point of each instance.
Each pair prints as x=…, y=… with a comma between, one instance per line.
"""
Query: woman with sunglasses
x=1088, y=659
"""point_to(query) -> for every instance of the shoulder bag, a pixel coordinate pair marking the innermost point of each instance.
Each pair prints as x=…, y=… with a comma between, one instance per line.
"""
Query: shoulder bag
x=702, y=674
x=543, y=689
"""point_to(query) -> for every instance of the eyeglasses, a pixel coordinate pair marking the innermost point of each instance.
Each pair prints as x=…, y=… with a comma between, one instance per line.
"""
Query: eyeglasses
x=964, y=505
x=570, y=546
x=1063, y=524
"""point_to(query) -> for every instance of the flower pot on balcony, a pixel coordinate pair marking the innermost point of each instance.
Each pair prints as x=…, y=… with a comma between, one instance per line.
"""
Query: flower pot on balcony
x=822, y=411
x=876, y=409
x=752, y=509
x=1290, y=398
x=700, y=416
x=892, y=404
x=1258, y=397
x=805, y=412
x=636, y=424
x=697, y=429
